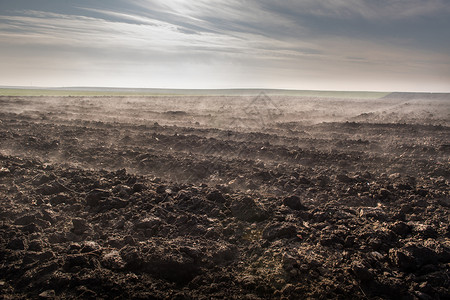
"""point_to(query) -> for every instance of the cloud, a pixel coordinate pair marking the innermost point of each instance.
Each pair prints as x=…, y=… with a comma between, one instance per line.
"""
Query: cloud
x=47, y=28
x=129, y=31
x=275, y=43
x=367, y=9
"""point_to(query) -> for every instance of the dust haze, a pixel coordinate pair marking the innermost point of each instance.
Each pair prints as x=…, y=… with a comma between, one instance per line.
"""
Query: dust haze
x=197, y=197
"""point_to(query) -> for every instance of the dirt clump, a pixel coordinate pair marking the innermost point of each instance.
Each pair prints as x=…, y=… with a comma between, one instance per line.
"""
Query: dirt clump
x=126, y=208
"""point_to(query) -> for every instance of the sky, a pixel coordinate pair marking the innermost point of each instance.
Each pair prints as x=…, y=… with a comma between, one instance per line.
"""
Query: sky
x=371, y=45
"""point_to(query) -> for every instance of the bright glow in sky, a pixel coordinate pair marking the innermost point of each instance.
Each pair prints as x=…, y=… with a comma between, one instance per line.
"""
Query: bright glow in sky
x=385, y=45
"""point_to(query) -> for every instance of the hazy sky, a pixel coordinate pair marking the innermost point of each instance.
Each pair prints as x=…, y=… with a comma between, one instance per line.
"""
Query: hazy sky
x=387, y=45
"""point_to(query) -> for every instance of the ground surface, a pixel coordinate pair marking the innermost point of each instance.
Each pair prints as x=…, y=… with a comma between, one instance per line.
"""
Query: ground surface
x=225, y=197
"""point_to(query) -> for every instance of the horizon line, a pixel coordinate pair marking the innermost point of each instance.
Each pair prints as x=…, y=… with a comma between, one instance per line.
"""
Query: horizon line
x=110, y=88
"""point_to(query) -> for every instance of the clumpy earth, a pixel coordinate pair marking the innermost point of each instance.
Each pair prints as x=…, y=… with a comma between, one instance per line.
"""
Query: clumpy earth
x=122, y=198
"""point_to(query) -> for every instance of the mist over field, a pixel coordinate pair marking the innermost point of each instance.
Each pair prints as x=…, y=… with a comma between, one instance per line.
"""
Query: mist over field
x=254, y=196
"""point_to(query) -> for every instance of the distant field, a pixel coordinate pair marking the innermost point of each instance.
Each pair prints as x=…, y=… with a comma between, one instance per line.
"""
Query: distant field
x=50, y=92
x=187, y=92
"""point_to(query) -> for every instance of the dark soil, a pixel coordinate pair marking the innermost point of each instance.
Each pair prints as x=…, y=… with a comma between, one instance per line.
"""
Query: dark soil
x=180, y=210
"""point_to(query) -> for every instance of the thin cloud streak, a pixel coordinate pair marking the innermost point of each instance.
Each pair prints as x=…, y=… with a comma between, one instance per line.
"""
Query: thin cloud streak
x=387, y=10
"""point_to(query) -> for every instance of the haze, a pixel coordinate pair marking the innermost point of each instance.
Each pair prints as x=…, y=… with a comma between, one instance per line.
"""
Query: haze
x=325, y=45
